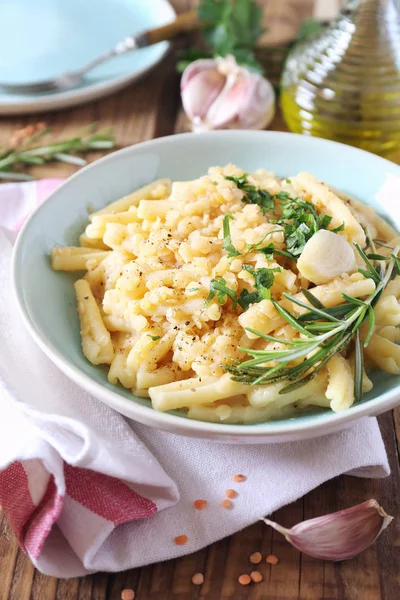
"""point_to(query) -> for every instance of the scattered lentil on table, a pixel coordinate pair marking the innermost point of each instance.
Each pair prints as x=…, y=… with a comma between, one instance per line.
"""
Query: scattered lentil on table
x=256, y=576
x=231, y=494
x=127, y=595
x=239, y=478
x=200, y=504
x=244, y=579
x=198, y=579
x=272, y=559
x=226, y=503
x=255, y=558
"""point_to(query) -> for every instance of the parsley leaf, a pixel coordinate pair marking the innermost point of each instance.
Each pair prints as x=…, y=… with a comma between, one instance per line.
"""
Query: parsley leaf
x=232, y=27
x=300, y=221
x=246, y=298
x=219, y=290
x=270, y=250
x=263, y=280
x=154, y=337
x=228, y=246
x=252, y=195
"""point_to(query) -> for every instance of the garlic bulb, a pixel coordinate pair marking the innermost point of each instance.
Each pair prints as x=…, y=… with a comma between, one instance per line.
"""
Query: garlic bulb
x=340, y=535
x=219, y=94
x=326, y=255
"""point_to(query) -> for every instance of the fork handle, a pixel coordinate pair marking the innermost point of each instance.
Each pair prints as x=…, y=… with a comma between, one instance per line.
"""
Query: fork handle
x=185, y=22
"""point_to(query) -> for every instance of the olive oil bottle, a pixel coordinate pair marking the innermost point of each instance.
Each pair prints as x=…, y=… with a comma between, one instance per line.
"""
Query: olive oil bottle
x=344, y=83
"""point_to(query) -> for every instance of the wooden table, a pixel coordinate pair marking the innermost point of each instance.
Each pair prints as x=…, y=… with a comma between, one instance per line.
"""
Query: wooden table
x=141, y=112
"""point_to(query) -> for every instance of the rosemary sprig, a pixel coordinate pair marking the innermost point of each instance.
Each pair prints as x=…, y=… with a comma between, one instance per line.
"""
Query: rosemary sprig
x=27, y=151
x=324, y=331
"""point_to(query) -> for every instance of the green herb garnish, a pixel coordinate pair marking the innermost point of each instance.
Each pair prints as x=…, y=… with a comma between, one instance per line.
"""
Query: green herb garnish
x=228, y=246
x=325, y=331
x=252, y=195
x=263, y=280
x=154, y=337
x=26, y=150
x=300, y=221
x=229, y=27
x=220, y=291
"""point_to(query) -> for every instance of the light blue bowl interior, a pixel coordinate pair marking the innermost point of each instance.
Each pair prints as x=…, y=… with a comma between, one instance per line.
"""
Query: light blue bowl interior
x=47, y=297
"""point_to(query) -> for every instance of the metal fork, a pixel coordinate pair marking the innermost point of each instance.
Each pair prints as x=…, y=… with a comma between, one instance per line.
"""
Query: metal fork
x=183, y=23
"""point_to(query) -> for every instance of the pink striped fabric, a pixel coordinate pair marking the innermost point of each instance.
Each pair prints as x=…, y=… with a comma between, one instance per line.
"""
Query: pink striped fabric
x=32, y=521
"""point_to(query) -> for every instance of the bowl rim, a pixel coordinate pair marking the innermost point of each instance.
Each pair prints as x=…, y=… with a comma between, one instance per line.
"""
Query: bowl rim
x=147, y=415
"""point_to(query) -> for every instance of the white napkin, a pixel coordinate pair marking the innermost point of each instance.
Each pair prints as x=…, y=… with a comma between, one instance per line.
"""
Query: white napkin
x=86, y=491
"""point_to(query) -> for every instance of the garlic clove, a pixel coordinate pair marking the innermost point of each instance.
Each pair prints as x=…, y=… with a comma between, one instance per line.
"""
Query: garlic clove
x=340, y=535
x=200, y=87
x=196, y=67
x=257, y=107
x=225, y=110
x=246, y=102
x=326, y=255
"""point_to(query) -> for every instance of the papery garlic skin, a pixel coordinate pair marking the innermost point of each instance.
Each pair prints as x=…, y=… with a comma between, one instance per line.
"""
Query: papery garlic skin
x=220, y=94
x=338, y=536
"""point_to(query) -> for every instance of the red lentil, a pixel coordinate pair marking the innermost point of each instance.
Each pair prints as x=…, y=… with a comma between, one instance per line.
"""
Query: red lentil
x=231, y=494
x=255, y=558
x=226, y=503
x=198, y=579
x=244, y=579
x=200, y=504
x=181, y=540
x=239, y=478
x=256, y=576
x=127, y=595
x=272, y=559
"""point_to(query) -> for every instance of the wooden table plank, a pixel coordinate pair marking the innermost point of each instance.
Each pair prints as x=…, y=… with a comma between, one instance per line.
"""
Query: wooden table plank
x=150, y=109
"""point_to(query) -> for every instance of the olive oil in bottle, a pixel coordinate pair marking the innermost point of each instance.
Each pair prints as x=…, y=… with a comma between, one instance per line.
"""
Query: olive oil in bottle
x=344, y=83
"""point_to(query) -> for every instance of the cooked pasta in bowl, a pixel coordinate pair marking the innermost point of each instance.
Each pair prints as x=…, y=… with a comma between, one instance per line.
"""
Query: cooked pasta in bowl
x=258, y=303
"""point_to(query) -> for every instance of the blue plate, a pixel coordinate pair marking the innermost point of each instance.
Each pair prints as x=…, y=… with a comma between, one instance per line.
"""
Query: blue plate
x=43, y=38
x=47, y=298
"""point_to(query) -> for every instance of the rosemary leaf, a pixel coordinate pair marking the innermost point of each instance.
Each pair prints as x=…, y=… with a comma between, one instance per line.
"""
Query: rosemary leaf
x=313, y=300
x=371, y=317
x=358, y=367
x=26, y=150
x=291, y=319
x=322, y=314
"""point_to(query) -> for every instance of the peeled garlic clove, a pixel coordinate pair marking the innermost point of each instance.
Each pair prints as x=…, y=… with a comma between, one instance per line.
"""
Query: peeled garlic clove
x=340, y=535
x=326, y=255
x=199, y=89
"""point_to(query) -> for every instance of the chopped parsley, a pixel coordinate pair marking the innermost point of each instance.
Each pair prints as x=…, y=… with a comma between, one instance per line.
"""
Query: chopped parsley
x=252, y=195
x=228, y=246
x=300, y=221
x=220, y=291
x=154, y=337
x=263, y=281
